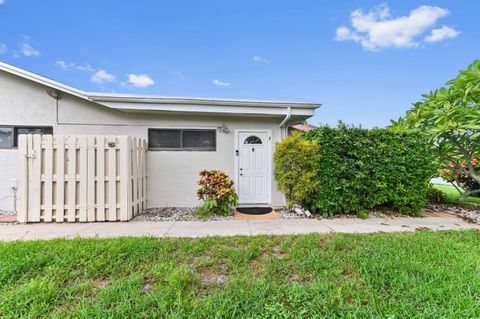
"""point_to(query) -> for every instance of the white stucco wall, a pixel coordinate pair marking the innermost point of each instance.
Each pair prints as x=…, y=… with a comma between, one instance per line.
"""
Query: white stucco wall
x=172, y=175
x=21, y=103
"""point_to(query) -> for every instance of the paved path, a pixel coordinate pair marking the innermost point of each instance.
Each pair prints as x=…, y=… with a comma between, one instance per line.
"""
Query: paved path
x=229, y=228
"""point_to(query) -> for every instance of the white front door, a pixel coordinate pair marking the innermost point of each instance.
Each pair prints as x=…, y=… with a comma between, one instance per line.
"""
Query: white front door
x=253, y=168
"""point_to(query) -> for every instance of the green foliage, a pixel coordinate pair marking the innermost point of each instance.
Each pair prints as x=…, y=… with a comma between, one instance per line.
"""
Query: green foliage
x=296, y=168
x=450, y=116
x=363, y=169
x=436, y=196
x=217, y=192
x=203, y=212
x=363, y=214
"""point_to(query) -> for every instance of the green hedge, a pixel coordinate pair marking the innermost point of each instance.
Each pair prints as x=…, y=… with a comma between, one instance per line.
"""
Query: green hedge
x=363, y=169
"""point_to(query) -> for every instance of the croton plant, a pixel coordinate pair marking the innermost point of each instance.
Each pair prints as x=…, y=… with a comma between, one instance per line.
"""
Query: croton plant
x=217, y=191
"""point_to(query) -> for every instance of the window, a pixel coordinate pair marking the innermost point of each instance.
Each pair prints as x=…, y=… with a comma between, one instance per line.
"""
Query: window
x=9, y=134
x=5, y=137
x=181, y=140
x=252, y=139
x=30, y=130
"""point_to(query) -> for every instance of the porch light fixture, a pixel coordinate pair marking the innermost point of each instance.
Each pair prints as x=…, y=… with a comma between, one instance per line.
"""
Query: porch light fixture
x=223, y=128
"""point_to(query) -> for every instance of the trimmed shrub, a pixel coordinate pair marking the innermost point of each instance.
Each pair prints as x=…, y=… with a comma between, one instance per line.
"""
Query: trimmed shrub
x=296, y=168
x=436, y=196
x=363, y=169
x=217, y=192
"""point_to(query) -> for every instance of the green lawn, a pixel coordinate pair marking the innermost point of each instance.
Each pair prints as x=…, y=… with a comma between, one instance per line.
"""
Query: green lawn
x=421, y=275
x=453, y=195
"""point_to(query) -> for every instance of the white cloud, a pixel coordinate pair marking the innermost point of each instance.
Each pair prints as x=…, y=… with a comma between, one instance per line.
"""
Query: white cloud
x=85, y=67
x=221, y=83
x=3, y=47
x=378, y=29
x=140, y=80
x=28, y=50
x=102, y=76
x=68, y=66
x=259, y=59
x=64, y=65
x=441, y=34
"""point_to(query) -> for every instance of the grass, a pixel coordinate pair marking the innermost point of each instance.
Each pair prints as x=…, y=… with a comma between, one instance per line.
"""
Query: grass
x=453, y=195
x=423, y=275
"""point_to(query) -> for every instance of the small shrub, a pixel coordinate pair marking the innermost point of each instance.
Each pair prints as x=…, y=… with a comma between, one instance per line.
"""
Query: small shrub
x=436, y=196
x=363, y=214
x=202, y=212
x=217, y=192
x=296, y=168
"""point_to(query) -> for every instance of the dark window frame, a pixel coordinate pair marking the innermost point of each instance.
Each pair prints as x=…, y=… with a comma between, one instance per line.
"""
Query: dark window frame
x=182, y=148
x=19, y=127
x=11, y=136
x=15, y=128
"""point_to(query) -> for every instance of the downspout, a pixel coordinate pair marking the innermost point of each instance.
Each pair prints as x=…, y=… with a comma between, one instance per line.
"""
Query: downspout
x=283, y=125
x=284, y=133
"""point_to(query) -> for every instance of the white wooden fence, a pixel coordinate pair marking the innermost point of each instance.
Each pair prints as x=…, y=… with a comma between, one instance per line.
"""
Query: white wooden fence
x=79, y=178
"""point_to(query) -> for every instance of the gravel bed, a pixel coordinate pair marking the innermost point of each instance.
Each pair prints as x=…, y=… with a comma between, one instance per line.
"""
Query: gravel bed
x=467, y=211
x=284, y=213
x=167, y=214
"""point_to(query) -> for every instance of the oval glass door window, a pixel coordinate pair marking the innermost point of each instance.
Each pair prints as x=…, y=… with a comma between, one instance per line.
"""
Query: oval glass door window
x=252, y=139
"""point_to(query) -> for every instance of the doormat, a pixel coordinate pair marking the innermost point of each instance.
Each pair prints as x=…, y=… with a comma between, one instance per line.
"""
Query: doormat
x=254, y=210
x=256, y=213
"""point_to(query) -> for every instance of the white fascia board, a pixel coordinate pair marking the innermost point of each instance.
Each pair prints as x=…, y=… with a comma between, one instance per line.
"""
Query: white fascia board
x=153, y=99
x=211, y=109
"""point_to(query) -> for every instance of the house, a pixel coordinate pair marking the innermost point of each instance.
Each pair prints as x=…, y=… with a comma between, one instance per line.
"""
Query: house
x=305, y=127
x=185, y=135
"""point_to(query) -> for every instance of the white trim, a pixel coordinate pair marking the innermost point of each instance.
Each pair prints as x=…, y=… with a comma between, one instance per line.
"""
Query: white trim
x=269, y=163
x=158, y=99
x=211, y=109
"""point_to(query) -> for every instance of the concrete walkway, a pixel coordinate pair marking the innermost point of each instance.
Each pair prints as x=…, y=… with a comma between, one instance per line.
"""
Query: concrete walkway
x=230, y=228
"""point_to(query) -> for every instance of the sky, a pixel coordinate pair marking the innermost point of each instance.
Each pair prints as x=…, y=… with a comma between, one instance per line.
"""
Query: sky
x=366, y=62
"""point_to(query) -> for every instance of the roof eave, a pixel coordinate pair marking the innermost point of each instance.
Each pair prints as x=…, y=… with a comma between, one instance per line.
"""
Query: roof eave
x=128, y=106
x=146, y=100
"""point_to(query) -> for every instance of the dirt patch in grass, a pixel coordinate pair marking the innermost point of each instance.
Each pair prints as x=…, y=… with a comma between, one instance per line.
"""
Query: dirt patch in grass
x=148, y=285
x=209, y=278
x=100, y=283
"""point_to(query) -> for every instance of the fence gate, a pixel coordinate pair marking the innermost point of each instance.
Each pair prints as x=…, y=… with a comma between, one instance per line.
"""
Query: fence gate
x=80, y=178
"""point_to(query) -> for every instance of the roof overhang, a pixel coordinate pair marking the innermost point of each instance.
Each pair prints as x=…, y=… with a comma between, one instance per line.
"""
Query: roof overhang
x=186, y=105
x=148, y=103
